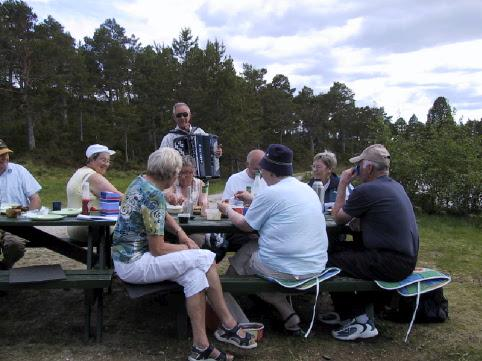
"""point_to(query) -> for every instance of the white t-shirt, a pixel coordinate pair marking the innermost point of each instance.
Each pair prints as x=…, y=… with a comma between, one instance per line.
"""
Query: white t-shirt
x=168, y=140
x=238, y=182
x=291, y=226
x=17, y=185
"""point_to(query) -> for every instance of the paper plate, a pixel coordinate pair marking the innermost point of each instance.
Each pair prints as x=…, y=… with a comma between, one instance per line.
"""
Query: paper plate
x=47, y=217
x=68, y=211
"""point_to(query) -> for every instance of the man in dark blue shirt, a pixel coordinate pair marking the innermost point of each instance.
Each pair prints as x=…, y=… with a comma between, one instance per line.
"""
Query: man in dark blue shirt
x=389, y=242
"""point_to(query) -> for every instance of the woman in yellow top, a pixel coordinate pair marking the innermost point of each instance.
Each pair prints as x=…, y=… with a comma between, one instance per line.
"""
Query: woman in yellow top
x=98, y=162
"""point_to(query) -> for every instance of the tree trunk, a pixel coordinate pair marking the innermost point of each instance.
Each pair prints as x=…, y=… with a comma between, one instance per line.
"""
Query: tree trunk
x=125, y=147
x=30, y=131
x=64, y=111
x=81, y=118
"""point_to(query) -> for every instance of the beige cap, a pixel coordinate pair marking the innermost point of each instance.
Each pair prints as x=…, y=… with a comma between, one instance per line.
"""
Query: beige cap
x=4, y=148
x=376, y=153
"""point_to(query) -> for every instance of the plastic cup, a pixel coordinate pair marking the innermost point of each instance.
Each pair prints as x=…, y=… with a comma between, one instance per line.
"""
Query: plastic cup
x=213, y=214
x=183, y=217
x=56, y=205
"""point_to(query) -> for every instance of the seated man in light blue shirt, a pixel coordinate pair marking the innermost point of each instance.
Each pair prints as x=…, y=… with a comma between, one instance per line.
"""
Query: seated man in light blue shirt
x=17, y=186
x=292, y=241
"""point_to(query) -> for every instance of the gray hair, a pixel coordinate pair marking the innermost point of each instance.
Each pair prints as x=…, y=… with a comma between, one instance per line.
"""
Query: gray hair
x=188, y=161
x=164, y=164
x=174, y=107
x=327, y=157
x=379, y=167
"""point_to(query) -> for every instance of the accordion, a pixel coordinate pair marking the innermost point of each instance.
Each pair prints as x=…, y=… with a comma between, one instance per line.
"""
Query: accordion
x=201, y=148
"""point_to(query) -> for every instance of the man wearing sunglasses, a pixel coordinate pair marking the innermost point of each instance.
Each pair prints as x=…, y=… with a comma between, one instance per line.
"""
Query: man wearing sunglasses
x=182, y=116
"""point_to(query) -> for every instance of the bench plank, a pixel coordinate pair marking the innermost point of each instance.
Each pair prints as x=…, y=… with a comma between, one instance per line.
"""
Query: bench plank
x=84, y=279
x=92, y=281
x=253, y=284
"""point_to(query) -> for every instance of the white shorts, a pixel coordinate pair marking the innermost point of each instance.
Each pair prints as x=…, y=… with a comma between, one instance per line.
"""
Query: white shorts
x=188, y=268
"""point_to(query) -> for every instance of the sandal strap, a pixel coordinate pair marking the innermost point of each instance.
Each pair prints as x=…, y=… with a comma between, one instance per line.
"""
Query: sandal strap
x=206, y=354
x=233, y=334
x=289, y=317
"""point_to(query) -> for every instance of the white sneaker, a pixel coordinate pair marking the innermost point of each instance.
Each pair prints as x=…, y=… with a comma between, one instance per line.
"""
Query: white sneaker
x=354, y=330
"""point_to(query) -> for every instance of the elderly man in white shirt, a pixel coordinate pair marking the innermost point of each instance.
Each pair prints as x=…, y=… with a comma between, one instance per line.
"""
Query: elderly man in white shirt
x=17, y=186
x=239, y=181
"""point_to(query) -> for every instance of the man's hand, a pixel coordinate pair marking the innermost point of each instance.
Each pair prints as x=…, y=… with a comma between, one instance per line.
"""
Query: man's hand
x=244, y=196
x=219, y=151
x=347, y=176
x=223, y=207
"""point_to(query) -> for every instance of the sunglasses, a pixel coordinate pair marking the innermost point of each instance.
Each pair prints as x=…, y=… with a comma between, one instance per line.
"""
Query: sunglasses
x=185, y=115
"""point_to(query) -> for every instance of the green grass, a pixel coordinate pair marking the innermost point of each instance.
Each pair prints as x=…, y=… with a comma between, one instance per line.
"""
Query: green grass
x=449, y=244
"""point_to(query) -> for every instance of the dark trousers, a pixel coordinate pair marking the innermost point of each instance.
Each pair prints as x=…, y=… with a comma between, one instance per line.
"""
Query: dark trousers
x=370, y=264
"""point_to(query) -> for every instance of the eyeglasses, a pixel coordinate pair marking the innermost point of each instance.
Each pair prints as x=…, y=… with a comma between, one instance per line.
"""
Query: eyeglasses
x=184, y=114
x=105, y=161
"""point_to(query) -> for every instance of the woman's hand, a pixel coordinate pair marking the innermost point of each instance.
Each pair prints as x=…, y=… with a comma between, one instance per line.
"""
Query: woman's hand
x=188, y=242
x=172, y=198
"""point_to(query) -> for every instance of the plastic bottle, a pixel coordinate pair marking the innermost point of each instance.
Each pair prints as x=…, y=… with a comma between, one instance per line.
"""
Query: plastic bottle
x=320, y=191
x=85, y=198
x=205, y=189
x=187, y=208
x=256, y=184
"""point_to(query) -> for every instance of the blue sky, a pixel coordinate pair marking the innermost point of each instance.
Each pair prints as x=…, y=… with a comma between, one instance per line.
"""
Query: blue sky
x=399, y=54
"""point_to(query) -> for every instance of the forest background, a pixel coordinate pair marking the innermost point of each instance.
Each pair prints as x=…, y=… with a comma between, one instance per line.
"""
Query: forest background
x=58, y=95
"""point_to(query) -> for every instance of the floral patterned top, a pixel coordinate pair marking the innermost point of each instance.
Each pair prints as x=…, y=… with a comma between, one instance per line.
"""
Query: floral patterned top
x=142, y=213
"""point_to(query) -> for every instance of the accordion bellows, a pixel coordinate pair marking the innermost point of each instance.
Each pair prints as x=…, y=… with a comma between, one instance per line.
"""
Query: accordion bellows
x=109, y=203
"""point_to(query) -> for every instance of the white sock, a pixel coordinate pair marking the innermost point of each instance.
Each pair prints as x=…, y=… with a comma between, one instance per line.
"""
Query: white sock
x=363, y=318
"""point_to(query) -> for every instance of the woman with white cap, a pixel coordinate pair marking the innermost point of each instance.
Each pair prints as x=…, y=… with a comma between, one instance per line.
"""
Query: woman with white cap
x=98, y=162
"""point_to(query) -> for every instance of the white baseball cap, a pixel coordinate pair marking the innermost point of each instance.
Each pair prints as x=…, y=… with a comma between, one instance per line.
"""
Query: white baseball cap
x=97, y=148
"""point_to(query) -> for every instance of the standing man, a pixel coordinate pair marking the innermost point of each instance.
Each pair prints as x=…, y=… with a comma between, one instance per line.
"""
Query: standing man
x=389, y=243
x=17, y=186
x=292, y=237
x=239, y=181
x=182, y=116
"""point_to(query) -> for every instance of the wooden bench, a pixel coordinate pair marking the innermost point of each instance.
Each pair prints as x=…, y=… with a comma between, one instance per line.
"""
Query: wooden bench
x=92, y=281
x=244, y=285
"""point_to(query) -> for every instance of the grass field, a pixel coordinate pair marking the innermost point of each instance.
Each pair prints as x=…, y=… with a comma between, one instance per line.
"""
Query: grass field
x=54, y=181
x=141, y=330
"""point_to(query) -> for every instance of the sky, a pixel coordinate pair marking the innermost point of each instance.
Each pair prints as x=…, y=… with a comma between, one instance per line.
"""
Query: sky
x=396, y=54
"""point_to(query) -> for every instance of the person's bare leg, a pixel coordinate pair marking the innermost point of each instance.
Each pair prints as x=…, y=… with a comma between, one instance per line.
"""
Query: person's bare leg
x=280, y=302
x=215, y=295
x=196, y=309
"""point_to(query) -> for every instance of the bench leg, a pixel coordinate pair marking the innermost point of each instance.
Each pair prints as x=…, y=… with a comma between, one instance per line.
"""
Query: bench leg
x=88, y=312
x=370, y=311
x=99, y=314
x=181, y=314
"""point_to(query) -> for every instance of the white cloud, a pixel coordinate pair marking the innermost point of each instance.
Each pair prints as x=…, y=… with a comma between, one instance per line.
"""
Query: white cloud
x=318, y=42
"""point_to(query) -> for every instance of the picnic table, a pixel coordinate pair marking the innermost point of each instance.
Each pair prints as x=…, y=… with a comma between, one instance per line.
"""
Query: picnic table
x=97, y=242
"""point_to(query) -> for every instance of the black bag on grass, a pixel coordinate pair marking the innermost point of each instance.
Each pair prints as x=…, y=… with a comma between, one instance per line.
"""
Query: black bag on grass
x=433, y=308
